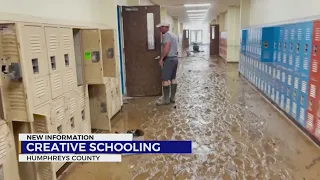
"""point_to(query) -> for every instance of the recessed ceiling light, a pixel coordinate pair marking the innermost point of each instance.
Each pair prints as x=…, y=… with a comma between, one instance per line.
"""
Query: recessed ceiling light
x=196, y=5
x=200, y=10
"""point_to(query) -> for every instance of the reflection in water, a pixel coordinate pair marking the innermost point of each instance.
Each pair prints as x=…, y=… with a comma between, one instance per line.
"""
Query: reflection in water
x=235, y=133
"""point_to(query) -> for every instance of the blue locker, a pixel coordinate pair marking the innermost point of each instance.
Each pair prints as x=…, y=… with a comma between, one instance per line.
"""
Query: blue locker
x=270, y=38
x=244, y=35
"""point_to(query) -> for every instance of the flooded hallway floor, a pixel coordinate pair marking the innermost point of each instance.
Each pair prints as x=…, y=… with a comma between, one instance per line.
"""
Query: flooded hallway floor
x=236, y=133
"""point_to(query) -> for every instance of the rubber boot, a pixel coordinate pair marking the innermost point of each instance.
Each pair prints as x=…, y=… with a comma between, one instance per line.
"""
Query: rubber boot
x=165, y=100
x=173, y=93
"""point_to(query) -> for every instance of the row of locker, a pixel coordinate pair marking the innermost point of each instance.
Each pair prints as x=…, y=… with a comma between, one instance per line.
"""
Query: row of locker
x=295, y=93
x=43, y=61
x=41, y=88
x=287, y=90
x=297, y=32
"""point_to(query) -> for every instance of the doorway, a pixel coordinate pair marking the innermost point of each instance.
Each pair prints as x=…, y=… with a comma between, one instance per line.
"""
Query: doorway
x=196, y=36
x=214, y=40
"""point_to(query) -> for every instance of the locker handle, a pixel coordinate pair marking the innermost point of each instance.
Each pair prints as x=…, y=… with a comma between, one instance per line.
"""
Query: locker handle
x=265, y=44
x=298, y=47
x=315, y=49
x=291, y=47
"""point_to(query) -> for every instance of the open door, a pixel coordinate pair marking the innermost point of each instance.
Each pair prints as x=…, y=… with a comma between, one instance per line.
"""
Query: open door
x=185, y=40
x=141, y=46
x=214, y=40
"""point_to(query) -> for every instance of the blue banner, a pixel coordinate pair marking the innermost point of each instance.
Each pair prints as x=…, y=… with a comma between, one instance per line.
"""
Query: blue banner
x=106, y=147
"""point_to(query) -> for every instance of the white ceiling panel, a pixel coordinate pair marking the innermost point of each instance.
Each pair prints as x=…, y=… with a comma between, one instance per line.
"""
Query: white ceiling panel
x=175, y=8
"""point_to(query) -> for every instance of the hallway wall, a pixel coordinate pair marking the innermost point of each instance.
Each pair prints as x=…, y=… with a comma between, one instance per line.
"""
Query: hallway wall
x=275, y=11
x=85, y=13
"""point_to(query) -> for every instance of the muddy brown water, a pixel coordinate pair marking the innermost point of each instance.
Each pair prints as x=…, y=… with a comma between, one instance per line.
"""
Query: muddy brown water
x=236, y=134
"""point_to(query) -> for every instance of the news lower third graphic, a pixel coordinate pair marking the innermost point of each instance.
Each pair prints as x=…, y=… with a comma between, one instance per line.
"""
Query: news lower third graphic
x=91, y=147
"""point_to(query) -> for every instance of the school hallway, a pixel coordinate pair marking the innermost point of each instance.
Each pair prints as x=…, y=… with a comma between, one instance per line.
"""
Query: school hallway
x=236, y=133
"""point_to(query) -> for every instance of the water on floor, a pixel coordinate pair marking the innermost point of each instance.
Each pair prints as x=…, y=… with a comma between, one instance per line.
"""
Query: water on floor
x=236, y=134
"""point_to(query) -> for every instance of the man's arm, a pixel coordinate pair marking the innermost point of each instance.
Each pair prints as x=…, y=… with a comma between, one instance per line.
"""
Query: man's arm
x=165, y=52
x=166, y=46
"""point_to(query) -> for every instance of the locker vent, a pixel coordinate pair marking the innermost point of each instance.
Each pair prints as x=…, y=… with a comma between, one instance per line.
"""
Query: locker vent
x=313, y=91
x=283, y=77
x=304, y=86
x=288, y=105
x=299, y=34
x=59, y=115
x=16, y=98
x=292, y=34
x=278, y=74
x=35, y=44
x=310, y=121
x=270, y=70
x=82, y=100
x=73, y=105
x=56, y=82
x=294, y=109
x=289, y=80
x=40, y=88
x=305, y=63
x=284, y=58
x=66, y=42
x=3, y=140
x=302, y=114
x=282, y=102
x=308, y=34
x=297, y=64
x=70, y=78
x=314, y=67
x=291, y=60
x=296, y=83
x=53, y=42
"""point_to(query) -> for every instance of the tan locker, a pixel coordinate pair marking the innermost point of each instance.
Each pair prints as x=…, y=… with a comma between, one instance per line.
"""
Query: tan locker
x=67, y=47
x=45, y=171
x=86, y=118
x=69, y=80
x=98, y=55
x=8, y=157
x=57, y=85
x=100, y=110
x=108, y=57
x=58, y=115
x=72, y=113
x=53, y=44
x=13, y=92
x=35, y=62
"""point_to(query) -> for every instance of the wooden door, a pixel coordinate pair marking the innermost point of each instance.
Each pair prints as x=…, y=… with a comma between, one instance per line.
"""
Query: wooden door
x=214, y=39
x=141, y=46
x=185, y=40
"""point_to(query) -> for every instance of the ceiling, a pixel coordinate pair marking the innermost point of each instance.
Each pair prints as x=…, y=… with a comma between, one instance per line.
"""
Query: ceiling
x=176, y=9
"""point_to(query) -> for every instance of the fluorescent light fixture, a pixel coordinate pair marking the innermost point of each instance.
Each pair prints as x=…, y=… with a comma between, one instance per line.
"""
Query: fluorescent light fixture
x=200, y=10
x=196, y=15
x=196, y=5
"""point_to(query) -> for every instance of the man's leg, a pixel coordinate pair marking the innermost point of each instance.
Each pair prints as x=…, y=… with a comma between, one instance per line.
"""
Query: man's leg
x=166, y=69
x=174, y=83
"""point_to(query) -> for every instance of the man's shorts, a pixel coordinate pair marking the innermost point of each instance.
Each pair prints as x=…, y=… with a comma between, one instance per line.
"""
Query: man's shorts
x=169, y=69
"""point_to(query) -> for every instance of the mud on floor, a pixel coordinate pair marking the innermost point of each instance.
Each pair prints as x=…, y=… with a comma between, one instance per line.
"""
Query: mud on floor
x=236, y=134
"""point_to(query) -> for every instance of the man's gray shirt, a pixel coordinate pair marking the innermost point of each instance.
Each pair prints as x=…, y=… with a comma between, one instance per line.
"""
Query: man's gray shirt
x=173, y=49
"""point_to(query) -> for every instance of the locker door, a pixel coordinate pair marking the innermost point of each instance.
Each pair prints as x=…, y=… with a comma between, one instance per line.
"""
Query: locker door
x=109, y=61
x=33, y=48
x=92, y=60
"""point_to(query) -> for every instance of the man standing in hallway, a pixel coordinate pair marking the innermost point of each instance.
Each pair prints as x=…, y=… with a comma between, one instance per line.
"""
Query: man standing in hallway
x=169, y=63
